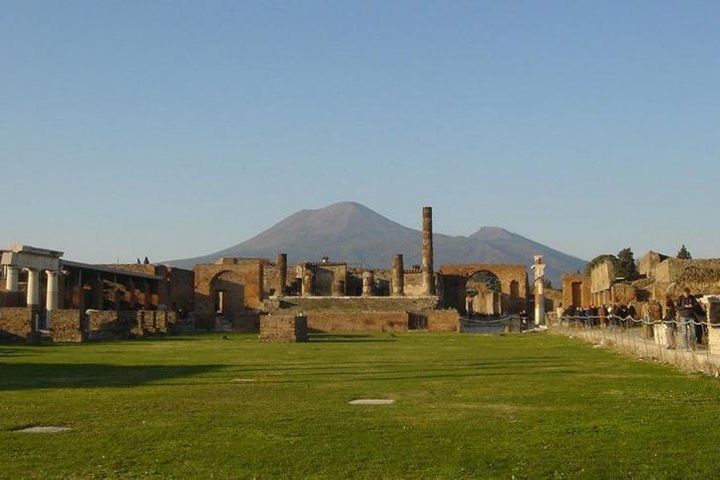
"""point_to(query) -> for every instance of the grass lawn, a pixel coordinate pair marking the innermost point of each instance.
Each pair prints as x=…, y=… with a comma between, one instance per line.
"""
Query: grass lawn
x=466, y=406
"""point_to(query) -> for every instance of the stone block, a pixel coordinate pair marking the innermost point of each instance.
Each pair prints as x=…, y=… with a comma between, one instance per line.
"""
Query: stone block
x=67, y=326
x=283, y=328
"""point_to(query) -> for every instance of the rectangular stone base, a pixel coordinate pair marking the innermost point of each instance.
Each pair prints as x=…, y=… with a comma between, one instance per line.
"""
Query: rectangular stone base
x=660, y=333
x=713, y=340
x=283, y=328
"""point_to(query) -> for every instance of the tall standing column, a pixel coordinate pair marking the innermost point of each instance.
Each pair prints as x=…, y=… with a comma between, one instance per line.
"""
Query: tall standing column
x=398, y=276
x=280, y=274
x=539, y=268
x=33, y=288
x=428, y=272
x=11, y=280
x=51, y=298
x=368, y=278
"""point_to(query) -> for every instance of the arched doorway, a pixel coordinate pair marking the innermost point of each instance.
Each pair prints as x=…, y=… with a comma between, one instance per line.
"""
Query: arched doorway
x=227, y=294
x=483, y=293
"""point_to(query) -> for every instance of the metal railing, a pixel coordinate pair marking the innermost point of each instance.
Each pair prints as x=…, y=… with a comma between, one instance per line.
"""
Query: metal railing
x=687, y=342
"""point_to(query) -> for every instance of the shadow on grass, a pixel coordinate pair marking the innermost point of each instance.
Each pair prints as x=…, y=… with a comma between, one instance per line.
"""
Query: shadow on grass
x=28, y=376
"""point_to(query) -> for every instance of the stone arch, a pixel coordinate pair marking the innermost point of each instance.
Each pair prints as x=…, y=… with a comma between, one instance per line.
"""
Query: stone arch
x=227, y=294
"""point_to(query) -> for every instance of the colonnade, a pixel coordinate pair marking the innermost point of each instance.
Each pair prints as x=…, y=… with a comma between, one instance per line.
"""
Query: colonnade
x=12, y=273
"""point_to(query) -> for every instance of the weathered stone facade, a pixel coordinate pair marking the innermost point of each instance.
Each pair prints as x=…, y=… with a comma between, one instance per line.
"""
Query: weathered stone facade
x=68, y=326
x=228, y=288
x=576, y=291
x=512, y=279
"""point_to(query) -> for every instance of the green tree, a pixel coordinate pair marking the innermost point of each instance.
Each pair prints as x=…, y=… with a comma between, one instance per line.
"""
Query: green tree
x=626, y=267
x=683, y=253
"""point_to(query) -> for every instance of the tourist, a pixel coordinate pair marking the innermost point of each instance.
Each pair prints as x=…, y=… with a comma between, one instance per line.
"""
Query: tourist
x=669, y=320
x=687, y=305
x=603, y=313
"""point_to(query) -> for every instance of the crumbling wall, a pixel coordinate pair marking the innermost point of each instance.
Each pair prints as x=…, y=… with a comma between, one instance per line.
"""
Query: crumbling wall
x=624, y=294
x=15, y=324
x=412, y=283
x=181, y=289
x=67, y=326
x=106, y=325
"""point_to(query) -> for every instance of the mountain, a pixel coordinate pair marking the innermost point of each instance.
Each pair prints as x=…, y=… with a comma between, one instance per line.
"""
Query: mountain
x=351, y=232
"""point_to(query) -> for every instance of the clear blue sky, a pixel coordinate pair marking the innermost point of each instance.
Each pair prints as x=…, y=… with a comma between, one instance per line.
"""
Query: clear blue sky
x=173, y=129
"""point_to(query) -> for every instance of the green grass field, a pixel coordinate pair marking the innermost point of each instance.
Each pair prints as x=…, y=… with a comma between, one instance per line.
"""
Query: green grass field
x=523, y=406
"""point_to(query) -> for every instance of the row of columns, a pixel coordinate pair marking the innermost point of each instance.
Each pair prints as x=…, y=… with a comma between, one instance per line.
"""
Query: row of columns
x=368, y=278
x=33, y=288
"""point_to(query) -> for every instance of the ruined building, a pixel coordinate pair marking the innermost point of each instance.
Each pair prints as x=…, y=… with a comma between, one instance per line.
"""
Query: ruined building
x=233, y=293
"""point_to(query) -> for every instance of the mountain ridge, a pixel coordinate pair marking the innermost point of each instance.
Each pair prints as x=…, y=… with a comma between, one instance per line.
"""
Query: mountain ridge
x=352, y=232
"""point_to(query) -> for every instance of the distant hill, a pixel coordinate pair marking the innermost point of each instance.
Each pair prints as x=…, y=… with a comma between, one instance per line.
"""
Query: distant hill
x=351, y=232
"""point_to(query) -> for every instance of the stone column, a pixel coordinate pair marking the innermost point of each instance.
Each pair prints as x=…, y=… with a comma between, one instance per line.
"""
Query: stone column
x=280, y=274
x=368, y=278
x=51, y=296
x=428, y=272
x=33, y=288
x=11, y=281
x=539, y=268
x=398, y=276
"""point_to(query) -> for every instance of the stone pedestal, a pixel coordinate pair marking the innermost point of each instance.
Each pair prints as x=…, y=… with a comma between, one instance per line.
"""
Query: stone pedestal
x=660, y=333
x=283, y=328
x=712, y=310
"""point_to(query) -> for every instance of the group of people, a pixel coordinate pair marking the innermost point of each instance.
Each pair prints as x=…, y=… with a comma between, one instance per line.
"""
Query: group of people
x=614, y=313
x=683, y=318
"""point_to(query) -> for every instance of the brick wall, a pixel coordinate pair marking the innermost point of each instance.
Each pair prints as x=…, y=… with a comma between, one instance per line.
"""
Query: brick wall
x=15, y=323
x=338, y=321
x=443, y=320
x=181, y=289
